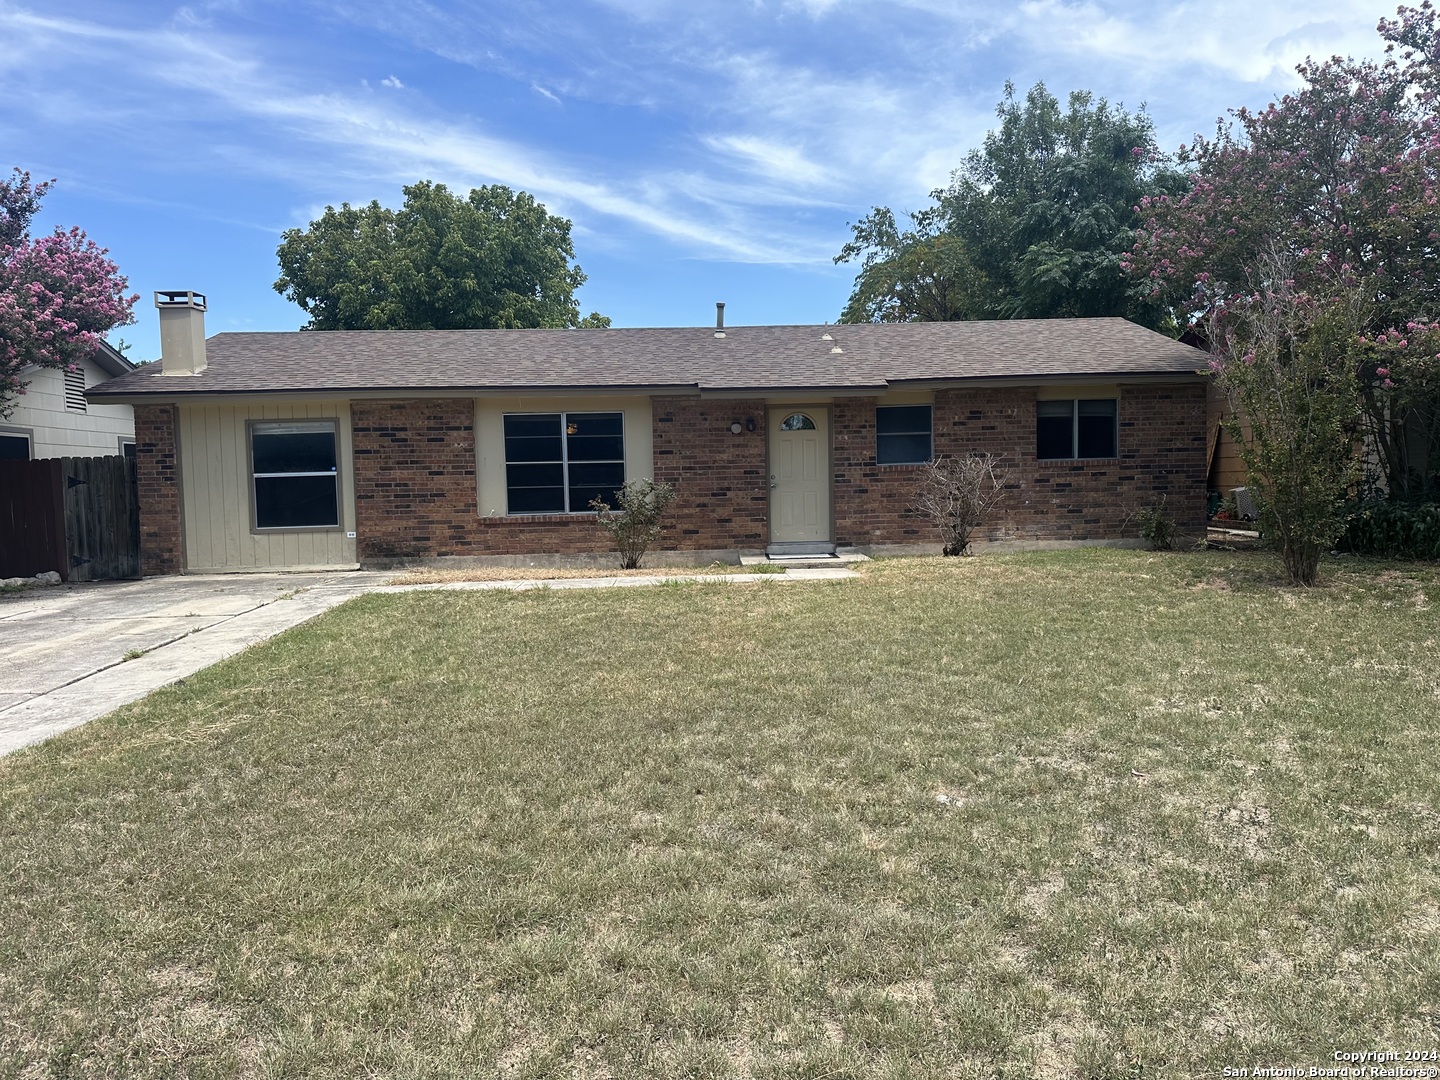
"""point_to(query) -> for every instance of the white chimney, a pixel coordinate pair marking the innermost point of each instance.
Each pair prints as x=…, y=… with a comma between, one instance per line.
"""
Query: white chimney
x=182, y=332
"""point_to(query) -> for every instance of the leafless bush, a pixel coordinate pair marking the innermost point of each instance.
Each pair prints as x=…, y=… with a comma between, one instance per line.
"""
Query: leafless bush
x=957, y=494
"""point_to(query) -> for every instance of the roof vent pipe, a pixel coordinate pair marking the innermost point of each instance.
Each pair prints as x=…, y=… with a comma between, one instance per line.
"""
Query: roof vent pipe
x=719, y=318
x=182, y=332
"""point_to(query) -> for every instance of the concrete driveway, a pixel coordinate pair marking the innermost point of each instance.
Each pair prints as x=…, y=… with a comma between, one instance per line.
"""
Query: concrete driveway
x=74, y=652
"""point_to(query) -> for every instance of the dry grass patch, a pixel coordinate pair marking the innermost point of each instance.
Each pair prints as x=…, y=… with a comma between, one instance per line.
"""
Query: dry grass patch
x=1058, y=815
x=429, y=576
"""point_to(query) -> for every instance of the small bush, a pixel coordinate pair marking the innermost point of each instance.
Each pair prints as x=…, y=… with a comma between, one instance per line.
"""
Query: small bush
x=1395, y=530
x=1157, y=526
x=636, y=523
x=957, y=494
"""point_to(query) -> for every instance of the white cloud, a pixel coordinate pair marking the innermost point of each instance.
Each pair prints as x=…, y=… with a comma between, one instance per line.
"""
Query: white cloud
x=393, y=82
x=544, y=93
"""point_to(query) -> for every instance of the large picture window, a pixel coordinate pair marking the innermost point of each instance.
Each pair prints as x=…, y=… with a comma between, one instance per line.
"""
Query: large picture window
x=1083, y=428
x=555, y=463
x=295, y=479
x=903, y=434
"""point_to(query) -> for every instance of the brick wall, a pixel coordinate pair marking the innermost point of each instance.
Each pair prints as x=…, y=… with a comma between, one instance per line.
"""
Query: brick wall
x=415, y=489
x=1162, y=451
x=157, y=478
x=157, y=484
x=722, y=488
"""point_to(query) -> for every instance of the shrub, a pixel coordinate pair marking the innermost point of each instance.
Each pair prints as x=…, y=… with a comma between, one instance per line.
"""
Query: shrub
x=636, y=523
x=1403, y=530
x=1157, y=525
x=957, y=494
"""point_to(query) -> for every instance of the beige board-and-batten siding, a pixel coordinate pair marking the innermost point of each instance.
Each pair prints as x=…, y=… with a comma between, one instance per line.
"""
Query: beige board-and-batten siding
x=215, y=483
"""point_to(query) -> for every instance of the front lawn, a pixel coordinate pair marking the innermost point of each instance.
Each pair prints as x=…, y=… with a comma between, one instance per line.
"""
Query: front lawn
x=1092, y=814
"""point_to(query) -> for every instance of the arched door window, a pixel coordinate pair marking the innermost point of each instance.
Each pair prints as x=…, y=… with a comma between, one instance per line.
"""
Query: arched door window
x=797, y=422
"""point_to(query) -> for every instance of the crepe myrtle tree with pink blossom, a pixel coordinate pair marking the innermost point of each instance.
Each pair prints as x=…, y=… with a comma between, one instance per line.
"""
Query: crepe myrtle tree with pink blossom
x=1341, y=179
x=59, y=294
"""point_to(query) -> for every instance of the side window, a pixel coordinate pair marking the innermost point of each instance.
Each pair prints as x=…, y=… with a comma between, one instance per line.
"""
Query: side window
x=1081, y=428
x=14, y=446
x=555, y=463
x=294, y=474
x=903, y=434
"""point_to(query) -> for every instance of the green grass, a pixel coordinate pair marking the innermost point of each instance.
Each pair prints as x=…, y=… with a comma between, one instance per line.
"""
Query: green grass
x=1093, y=814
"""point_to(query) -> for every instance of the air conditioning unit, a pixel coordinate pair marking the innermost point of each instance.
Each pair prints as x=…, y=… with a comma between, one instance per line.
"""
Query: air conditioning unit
x=1244, y=504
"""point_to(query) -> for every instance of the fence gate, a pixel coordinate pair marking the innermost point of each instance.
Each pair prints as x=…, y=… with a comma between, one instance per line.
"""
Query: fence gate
x=79, y=516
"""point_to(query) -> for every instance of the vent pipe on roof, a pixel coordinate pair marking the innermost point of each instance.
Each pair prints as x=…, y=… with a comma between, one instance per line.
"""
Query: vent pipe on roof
x=182, y=332
x=719, y=318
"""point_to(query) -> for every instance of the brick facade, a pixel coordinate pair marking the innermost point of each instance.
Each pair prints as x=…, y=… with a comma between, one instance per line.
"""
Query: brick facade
x=721, y=480
x=415, y=476
x=157, y=480
x=1162, y=451
x=416, y=494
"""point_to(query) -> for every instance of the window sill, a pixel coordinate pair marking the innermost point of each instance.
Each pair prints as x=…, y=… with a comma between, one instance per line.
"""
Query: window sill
x=259, y=530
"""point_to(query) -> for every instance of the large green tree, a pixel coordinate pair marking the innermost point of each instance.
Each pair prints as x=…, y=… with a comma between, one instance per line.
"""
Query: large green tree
x=496, y=259
x=1035, y=224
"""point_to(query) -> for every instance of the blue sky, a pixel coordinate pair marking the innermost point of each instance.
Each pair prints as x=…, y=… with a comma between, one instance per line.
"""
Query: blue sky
x=704, y=149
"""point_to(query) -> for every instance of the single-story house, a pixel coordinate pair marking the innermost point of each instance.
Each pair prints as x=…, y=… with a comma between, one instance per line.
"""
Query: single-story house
x=344, y=448
x=53, y=418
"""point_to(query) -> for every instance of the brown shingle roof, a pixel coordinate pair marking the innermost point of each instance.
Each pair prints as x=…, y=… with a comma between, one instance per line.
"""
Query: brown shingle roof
x=746, y=358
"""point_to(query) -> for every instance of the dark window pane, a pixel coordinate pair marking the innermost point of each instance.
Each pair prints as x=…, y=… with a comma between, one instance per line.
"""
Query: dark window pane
x=292, y=502
x=580, y=497
x=528, y=449
x=602, y=448
x=590, y=474
x=536, y=500
x=902, y=419
x=1097, y=428
x=532, y=425
x=1054, y=435
x=902, y=449
x=14, y=448
x=586, y=424
x=294, y=451
x=527, y=476
x=128, y=450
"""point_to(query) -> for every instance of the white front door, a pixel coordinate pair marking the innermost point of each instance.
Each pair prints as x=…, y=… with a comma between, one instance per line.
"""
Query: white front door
x=799, y=475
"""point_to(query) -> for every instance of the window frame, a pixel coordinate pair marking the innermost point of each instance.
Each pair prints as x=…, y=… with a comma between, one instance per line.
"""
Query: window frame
x=1074, y=454
x=270, y=530
x=929, y=407
x=27, y=434
x=564, y=462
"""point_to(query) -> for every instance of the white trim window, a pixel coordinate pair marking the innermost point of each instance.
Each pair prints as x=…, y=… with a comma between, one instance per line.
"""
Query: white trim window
x=555, y=463
x=295, y=478
x=904, y=434
x=15, y=444
x=1079, y=428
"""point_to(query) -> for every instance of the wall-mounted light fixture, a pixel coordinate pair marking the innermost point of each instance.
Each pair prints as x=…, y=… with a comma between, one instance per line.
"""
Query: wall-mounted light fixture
x=736, y=428
x=749, y=423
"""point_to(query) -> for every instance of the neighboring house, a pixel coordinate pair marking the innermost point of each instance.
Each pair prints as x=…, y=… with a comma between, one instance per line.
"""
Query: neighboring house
x=53, y=418
x=336, y=448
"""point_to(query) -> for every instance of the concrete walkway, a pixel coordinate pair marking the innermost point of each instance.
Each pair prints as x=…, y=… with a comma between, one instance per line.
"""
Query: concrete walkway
x=71, y=654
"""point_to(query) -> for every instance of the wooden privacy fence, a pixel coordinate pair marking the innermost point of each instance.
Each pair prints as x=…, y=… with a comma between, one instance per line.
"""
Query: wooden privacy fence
x=78, y=516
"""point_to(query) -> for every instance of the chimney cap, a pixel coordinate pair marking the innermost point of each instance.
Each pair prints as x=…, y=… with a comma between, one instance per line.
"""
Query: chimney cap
x=179, y=298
